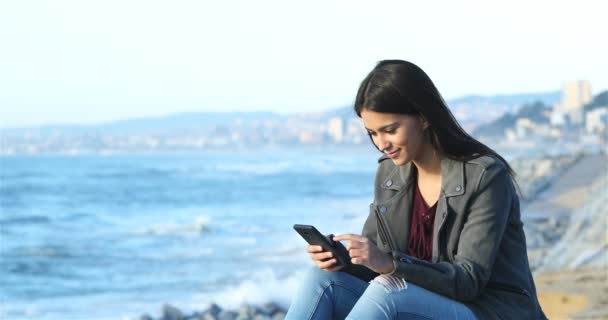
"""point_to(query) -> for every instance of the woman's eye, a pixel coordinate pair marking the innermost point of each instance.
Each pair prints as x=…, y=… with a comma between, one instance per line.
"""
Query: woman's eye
x=391, y=131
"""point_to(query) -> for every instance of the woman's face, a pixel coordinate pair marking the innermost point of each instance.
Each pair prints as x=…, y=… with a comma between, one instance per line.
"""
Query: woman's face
x=399, y=136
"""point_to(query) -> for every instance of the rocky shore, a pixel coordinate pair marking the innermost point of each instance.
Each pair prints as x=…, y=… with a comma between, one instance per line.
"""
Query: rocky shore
x=268, y=311
x=566, y=221
x=567, y=242
x=564, y=211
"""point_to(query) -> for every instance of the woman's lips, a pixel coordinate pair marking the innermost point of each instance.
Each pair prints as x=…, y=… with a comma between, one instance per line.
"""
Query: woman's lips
x=393, y=154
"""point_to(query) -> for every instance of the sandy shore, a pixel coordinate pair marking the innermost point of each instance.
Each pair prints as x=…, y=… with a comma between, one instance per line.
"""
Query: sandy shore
x=574, y=294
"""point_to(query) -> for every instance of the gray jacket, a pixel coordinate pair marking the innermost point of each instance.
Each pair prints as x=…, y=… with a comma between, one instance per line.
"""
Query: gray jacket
x=479, y=246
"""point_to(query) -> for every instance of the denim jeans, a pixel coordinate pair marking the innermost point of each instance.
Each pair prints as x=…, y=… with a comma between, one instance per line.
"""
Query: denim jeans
x=339, y=295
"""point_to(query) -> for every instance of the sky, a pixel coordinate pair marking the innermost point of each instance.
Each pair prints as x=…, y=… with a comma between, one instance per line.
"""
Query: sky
x=88, y=62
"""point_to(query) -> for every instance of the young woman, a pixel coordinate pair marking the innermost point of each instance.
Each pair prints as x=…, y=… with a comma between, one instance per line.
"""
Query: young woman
x=444, y=232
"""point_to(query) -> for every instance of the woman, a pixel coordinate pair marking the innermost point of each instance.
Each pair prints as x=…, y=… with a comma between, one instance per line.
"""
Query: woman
x=444, y=232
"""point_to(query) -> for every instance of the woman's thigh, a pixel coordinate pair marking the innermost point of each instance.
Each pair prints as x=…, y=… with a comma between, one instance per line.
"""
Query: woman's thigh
x=388, y=297
x=325, y=295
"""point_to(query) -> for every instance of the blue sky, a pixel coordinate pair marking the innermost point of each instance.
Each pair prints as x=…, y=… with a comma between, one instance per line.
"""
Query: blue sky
x=94, y=61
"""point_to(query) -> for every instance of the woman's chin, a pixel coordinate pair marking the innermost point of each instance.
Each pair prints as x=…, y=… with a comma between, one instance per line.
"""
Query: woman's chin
x=400, y=161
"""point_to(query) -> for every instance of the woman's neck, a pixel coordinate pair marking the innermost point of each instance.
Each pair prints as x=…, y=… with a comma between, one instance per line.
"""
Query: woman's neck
x=428, y=164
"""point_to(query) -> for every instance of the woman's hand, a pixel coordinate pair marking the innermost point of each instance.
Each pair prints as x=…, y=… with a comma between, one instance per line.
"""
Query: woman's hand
x=325, y=260
x=362, y=251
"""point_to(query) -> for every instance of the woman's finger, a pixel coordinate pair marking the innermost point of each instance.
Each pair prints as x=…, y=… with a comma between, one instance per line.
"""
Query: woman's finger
x=358, y=260
x=313, y=249
x=321, y=256
x=357, y=253
x=354, y=245
x=326, y=264
x=349, y=236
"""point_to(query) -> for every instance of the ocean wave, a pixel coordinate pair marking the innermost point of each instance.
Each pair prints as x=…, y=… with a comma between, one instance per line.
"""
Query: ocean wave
x=139, y=173
x=25, y=220
x=10, y=192
x=262, y=287
x=8, y=311
x=19, y=176
x=39, y=251
x=194, y=253
x=261, y=169
x=293, y=166
x=199, y=226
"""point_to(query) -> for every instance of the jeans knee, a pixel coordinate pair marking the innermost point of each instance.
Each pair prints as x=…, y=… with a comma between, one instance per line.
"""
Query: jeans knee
x=390, y=283
x=326, y=278
x=316, y=275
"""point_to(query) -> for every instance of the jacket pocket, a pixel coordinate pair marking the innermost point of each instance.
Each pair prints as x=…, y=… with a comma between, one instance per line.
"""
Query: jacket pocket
x=508, y=288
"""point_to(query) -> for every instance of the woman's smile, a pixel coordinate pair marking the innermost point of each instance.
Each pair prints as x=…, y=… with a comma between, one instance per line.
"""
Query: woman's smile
x=393, y=154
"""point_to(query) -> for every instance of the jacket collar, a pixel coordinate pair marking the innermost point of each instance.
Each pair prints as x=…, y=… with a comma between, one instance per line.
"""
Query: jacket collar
x=452, y=177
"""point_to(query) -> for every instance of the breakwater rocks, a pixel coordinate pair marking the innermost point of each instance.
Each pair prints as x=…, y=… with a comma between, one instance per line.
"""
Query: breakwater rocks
x=565, y=225
x=535, y=175
x=268, y=311
x=584, y=243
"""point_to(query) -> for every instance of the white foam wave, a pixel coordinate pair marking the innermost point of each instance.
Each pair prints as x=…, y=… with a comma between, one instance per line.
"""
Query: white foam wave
x=256, y=168
x=263, y=287
x=192, y=253
x=295, y=166
x=200, y=225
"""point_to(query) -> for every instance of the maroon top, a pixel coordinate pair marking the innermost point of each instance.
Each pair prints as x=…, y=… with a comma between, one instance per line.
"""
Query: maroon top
x=420, y=244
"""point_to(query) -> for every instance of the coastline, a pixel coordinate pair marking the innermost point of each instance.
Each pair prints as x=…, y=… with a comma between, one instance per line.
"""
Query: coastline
x=571, y=268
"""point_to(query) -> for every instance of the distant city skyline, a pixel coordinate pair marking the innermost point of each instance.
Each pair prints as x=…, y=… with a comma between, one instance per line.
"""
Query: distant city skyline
x=66, y=62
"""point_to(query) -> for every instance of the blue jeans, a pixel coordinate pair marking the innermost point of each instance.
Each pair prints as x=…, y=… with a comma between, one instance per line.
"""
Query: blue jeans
x=339, y=295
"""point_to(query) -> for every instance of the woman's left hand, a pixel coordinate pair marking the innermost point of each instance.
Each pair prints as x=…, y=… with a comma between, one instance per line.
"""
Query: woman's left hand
x=363, y=251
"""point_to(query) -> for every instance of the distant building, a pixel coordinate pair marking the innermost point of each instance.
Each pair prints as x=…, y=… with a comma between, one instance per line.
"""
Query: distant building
x=355, y=131
x=310, y=137
x=574, y=95
x=524, y=127
x=559, y=119
x=597, y=120
x=335, y=129
x=510, y=135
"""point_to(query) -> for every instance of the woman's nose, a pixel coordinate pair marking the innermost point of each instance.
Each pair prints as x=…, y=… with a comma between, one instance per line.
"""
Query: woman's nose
x=383, y=144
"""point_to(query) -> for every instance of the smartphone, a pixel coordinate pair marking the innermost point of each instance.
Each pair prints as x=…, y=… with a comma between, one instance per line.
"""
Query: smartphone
x=314, y=237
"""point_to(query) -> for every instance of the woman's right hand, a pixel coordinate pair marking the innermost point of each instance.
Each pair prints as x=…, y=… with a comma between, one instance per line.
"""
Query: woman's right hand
x=325, y=260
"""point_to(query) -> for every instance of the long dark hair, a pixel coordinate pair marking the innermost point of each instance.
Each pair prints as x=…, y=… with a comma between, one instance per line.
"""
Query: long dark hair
x=397, y=86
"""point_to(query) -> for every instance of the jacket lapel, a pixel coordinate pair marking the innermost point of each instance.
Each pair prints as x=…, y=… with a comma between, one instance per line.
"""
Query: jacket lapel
x=406, y=173
x=441, y=214
x=400, y=223
x=452, y=185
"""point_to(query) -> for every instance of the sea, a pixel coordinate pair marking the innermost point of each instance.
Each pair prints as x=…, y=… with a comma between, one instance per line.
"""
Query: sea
x=117, y=236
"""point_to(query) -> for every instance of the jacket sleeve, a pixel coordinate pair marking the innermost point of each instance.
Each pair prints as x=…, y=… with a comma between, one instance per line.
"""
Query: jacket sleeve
x=487, y=214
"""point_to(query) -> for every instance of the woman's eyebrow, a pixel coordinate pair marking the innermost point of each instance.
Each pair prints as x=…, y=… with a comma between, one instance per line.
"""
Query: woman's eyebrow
x=383, y=127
